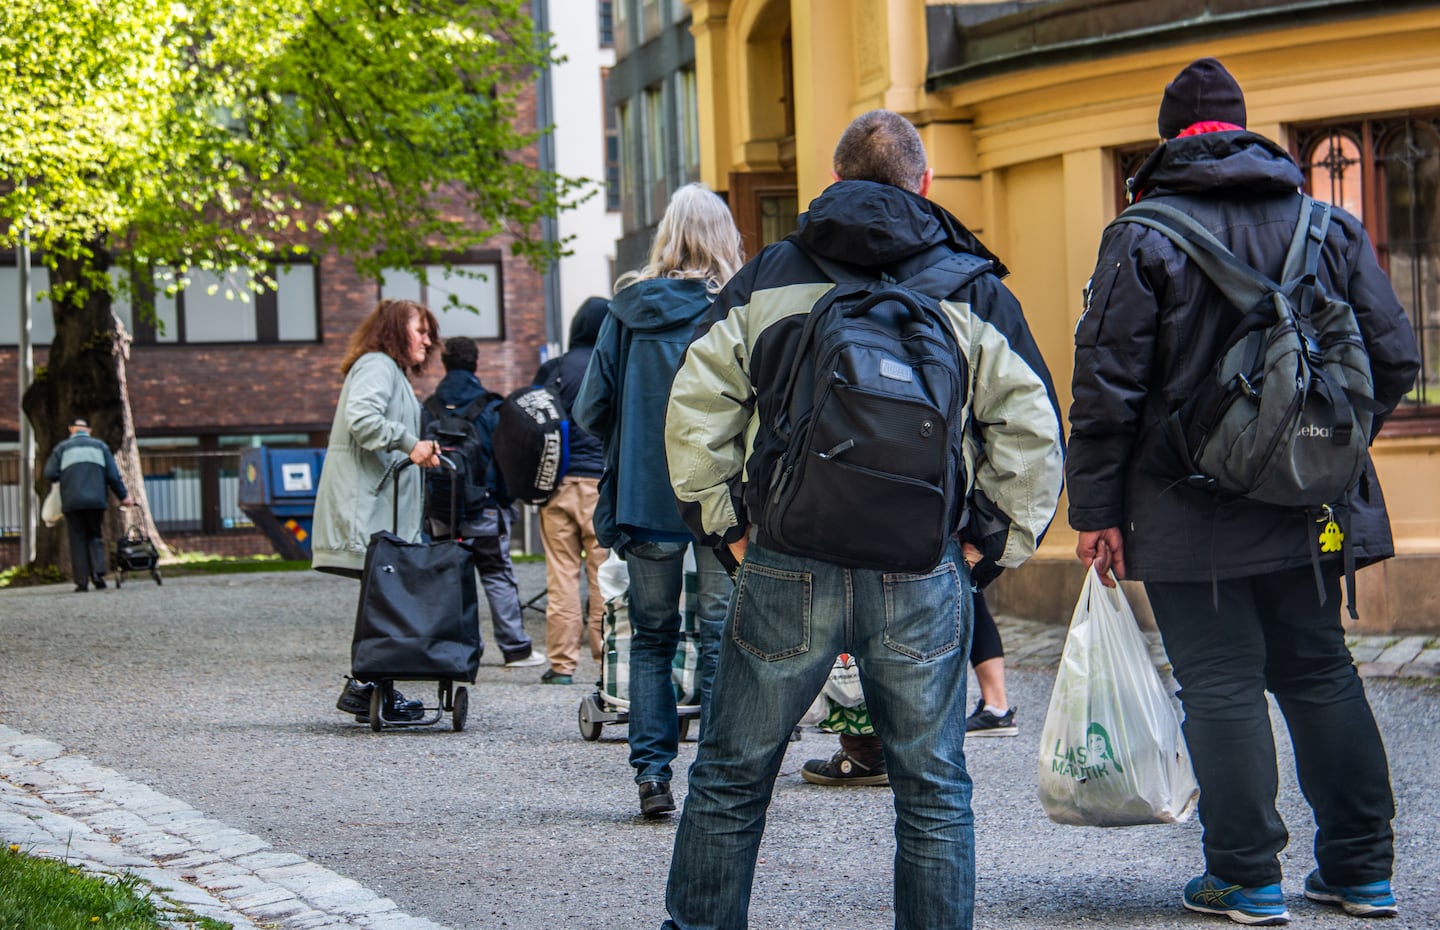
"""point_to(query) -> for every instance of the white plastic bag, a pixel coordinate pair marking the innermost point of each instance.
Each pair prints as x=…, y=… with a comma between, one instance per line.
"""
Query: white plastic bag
x=613, y=577
x=840, y=706
x=50, y=507
x=1111, y=751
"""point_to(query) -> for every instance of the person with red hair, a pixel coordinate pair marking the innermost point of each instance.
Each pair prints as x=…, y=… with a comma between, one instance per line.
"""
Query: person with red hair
x=376, y=425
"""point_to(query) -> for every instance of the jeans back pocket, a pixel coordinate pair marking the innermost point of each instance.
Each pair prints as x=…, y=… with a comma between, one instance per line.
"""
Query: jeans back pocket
x=923, y=613
x=772, y=611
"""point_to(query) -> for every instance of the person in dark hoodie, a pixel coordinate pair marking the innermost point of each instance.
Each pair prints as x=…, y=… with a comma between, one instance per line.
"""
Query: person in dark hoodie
x=622, y=401
x=1233, y=582
x=567, y=524
x=485, y=527
x=791, y=615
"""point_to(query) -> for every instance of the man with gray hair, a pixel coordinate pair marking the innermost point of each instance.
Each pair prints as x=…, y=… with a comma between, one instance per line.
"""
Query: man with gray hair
x=793, y=613
x=85, y=468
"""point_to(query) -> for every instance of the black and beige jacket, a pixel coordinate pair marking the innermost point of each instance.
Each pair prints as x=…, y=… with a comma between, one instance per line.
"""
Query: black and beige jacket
x=720, y=443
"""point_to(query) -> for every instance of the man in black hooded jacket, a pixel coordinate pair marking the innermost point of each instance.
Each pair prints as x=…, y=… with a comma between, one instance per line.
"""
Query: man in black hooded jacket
x=1232, y=582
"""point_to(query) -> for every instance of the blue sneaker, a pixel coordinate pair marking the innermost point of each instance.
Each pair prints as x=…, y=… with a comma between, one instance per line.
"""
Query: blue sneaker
x=1260, y=906
x=1370, y=900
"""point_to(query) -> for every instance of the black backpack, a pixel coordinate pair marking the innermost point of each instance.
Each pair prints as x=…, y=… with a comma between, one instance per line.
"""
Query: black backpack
x=1284, y=417
x=532, y=442
x=873, y=473
x=464, y=440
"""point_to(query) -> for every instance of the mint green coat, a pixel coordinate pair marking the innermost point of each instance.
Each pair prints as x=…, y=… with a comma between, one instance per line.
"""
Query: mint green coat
x=377, y=423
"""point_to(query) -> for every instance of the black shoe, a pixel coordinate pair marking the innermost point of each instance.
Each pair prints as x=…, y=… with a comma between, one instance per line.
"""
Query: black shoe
x=99, y=582
x=81, y=589
x=355, y=699
x=552, y=677
x=985, y=723
x=655, y=798
x=843, y=769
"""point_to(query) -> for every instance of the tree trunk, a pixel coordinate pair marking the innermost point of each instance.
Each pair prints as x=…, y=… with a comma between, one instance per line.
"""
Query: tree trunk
x=84, y=376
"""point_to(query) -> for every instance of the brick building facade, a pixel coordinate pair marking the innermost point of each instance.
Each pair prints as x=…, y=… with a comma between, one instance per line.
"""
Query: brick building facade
x=221, y=375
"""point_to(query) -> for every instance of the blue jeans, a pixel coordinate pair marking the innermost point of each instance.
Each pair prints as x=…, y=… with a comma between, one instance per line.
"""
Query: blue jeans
x=657, y=575
x=789, y=618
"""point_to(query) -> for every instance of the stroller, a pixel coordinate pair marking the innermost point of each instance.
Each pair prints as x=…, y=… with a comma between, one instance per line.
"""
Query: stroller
x=417, y=620
x=611, y=703
x=134, y=552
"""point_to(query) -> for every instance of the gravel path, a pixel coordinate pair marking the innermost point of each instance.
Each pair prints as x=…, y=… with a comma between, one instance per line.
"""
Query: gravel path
x=218, y=693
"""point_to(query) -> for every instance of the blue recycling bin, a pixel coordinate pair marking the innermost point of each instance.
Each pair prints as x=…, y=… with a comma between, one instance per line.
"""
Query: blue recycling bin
x=277, y=493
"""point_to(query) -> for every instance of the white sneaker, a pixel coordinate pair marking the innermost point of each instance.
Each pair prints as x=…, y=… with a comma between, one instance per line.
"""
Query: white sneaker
x=530, y=661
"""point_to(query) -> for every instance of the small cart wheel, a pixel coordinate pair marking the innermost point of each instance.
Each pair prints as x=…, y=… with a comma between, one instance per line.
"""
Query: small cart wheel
x=119, y=580
x=461, y=702
x=684, y=728
x=589, y=729
x=155, y=573
x=377, y=696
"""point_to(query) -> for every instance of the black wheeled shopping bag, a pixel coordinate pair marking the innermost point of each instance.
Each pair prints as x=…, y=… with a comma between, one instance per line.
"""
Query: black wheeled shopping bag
x=417, y=615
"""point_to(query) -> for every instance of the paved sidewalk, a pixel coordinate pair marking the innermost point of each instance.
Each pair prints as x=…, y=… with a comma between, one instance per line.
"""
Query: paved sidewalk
x=58, y=803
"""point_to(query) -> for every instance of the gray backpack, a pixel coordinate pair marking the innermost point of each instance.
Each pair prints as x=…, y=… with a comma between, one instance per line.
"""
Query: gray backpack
x=1285, y=416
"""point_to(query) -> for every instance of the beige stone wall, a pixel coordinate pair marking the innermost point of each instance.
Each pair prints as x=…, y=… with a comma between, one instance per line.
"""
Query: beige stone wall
x=1025, y=159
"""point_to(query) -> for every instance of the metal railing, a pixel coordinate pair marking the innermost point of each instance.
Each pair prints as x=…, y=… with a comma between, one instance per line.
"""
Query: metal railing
x=188, y=491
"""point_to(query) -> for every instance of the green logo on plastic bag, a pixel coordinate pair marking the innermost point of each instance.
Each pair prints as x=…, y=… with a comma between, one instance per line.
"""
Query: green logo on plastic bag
x=1093, y=760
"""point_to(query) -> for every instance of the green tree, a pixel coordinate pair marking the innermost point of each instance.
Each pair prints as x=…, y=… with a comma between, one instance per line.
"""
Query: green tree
x=218, y=134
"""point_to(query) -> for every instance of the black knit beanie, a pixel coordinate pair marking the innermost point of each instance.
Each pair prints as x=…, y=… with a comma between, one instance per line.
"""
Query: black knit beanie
x=1202, y=92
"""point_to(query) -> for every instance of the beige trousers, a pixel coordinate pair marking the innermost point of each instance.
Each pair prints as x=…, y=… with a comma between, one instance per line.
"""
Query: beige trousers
x=568, y=532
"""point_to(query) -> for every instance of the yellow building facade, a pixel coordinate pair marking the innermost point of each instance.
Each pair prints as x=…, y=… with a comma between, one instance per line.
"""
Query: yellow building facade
x=1031, y=121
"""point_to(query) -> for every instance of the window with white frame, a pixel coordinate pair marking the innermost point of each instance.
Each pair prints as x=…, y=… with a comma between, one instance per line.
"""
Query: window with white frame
x=465, y=297
x=209, y=307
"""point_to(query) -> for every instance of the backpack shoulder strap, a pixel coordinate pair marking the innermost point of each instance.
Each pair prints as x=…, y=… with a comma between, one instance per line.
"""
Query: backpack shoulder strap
x=1303, y=258
x=1302, y=261
x=948, y=275
x=554, y=383
x=476, y=407
x=1242, y=285
x=433, y=405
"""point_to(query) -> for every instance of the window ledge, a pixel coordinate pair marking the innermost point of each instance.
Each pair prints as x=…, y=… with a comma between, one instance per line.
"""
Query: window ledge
x=1413, y=422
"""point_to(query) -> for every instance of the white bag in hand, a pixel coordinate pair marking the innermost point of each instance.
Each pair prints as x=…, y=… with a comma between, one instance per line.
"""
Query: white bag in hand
x=50, y=507
x=1111, y=751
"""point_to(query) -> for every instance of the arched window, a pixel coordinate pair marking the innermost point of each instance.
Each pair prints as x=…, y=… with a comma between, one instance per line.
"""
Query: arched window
x=1386, y=171
x=1332, y=168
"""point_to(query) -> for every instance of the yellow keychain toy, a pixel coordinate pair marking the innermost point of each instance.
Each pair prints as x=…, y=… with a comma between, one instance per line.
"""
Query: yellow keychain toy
x=1331, y=539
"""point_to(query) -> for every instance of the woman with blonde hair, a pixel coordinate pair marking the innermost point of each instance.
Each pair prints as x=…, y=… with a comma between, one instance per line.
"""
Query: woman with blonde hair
x=376, y=426
x=622, y=402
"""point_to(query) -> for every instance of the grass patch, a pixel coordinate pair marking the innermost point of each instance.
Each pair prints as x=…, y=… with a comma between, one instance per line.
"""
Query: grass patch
x=45, y=894
x=188, y=563
x=195, y=564
x=24, y=576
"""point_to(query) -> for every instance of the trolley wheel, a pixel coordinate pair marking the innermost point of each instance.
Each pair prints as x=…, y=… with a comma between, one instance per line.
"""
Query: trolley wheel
x=461, y=710
x=155, y=573
x=377, y=696
x=589, y=729
x=684, y=729
x=119, y=580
